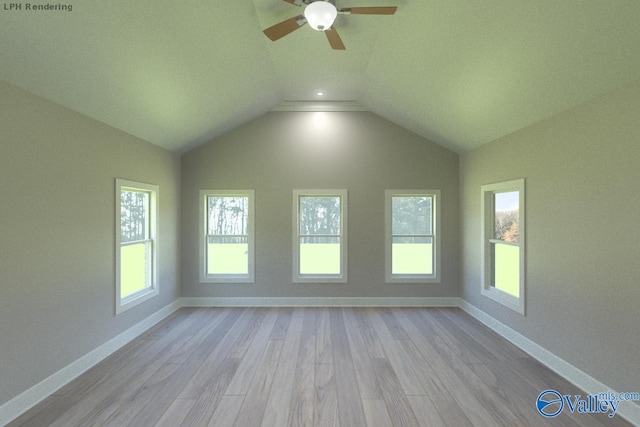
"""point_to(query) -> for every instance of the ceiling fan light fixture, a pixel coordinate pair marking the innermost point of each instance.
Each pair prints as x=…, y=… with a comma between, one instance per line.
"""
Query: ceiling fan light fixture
x=320, y=15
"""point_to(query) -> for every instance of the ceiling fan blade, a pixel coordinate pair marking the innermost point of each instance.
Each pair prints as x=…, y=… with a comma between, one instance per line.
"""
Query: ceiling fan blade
x=295, y=2
x=375, y=10
x=334, y=39
x=283, y=28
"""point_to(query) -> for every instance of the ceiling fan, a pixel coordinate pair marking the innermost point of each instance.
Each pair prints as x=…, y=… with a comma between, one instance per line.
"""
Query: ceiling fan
x=320, y=15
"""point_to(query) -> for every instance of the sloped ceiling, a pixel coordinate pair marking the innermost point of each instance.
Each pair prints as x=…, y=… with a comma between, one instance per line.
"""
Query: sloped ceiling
x=460, y=73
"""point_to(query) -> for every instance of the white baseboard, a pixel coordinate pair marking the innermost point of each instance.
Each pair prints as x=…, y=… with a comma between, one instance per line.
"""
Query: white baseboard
x=20, y=404
x=34, y=395
x=627, y=410
x=320, y=302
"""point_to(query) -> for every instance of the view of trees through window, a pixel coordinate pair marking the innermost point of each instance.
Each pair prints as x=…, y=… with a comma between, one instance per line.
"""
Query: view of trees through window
x=134, y=206
x=507, y=226
x=227, y=234
x=506, y=234
x=320, y=227
x=412, y=235
x=319, y=217
x=135, y=247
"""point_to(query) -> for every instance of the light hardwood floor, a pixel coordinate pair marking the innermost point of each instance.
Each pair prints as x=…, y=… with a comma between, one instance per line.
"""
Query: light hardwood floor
x=344, y=367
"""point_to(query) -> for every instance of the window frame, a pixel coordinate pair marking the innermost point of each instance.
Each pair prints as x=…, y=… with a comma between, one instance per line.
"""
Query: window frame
x=342, y=277
x=205, y=277
x=434, y=277
x=488, y=289
x=152, y=286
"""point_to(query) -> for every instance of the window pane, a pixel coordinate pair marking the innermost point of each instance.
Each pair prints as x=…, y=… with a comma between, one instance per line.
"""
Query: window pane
x=227, y=255
x=506, y=225
x=134, y=214
x=412, y=255
x=320, y=255
x=410, y=215
x=506, y=268
x=227, y=215
x=134, y=268
x=320, y=215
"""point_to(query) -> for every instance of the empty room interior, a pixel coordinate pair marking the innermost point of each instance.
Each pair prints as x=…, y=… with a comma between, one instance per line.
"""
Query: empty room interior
x=213, y=214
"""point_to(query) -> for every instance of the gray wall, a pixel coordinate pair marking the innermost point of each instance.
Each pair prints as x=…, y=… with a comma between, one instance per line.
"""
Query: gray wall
x=582, y=170
x=283, y=151
x=57, y=171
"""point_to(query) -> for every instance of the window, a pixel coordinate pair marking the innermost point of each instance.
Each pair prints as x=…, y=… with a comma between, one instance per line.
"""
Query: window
x=320, y=230
x=136, y=243
x=412, y=241
x=503, y=238
x=227, y=238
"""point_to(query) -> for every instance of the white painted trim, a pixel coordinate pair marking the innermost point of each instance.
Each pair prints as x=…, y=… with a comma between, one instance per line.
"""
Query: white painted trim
x=31, y=397
x=320, y=302
x=204, y=211
x=321, y=106
x=343, y=276
x=153, y=288
x=435, y=235
x=34, y=395
x=628, y=410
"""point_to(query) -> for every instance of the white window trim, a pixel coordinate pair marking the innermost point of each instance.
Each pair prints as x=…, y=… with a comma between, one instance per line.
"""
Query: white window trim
x=515, y=303
x=124, y=304
x=320, y=278
x=227, y=278
x=435, y=212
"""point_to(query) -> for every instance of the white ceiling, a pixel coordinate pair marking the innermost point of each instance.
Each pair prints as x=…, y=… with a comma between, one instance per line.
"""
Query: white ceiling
x=460, y=73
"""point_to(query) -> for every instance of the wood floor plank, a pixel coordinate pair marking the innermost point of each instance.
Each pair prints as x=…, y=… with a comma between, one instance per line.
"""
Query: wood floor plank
x=129, y=374
x=303, y=395
x=350, y=409
x=447, y=344
x=198, y=363
x=426, y=412
x=401, y=366
x=282, y=323
x=100, y=379
x=326, y=398
x=227, y=412
x=398, y=405
x=324, y=353
x=255, y=402
x=253, y=351
x=368, y=331
x=176, y=413
x=211, y=396
x=202, y=364
x=127, y=411
x=452, y=341
x=277, y=412
x=458, y=387
x=447, y=406
x=375, y=411
x=395, y=328
x=315, y=367
x=365, y=375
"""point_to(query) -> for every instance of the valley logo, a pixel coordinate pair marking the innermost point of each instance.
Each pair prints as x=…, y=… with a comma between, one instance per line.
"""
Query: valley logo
x=551, y=403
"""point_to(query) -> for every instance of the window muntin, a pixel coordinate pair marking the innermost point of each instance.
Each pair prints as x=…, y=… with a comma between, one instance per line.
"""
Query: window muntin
x=227, y=248
x=320, y=230
x=411, y=238
x=136, y=243
x=503, y=243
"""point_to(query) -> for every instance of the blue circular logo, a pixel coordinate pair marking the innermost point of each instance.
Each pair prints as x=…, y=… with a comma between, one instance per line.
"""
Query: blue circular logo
x=549, y=403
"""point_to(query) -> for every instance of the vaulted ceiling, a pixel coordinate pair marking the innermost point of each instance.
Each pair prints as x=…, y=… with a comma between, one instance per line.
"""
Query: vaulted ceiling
x=460, y=73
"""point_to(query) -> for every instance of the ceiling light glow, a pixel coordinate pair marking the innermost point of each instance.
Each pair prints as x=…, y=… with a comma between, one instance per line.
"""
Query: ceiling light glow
x=320, y=15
